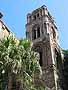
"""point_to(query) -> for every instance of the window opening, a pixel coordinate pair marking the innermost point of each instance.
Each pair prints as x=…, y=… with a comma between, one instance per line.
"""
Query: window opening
x=38, y=32
x=45, y=25
x=34, y=34
x=40, y=61
x=34, y=17
x=38, y=15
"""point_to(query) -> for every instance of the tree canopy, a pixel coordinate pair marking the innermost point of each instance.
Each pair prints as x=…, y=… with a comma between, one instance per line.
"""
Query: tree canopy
x=18, y=65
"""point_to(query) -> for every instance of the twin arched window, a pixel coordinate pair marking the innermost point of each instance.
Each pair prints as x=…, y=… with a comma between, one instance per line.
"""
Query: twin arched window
x=36, y=32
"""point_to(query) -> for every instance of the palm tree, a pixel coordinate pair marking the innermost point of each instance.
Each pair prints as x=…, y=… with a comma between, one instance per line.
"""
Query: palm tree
x=18, y=64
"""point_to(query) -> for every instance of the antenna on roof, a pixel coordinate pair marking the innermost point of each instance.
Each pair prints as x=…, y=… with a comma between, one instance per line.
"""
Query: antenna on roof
x=1, y=15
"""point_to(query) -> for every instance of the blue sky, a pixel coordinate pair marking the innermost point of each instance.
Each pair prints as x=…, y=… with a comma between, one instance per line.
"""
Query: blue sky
x=15, y=12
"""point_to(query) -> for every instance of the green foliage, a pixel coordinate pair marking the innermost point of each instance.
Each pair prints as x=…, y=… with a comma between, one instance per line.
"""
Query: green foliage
x=65, y=51
x=25, y=42
x=65, y=70
x=20, y=60
x=40, y=86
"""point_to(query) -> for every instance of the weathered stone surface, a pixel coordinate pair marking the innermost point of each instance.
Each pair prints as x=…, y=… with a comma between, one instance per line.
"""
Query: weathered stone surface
x=42, y=31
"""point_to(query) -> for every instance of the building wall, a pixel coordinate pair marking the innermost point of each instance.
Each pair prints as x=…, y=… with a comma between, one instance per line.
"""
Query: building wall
x=4, y=31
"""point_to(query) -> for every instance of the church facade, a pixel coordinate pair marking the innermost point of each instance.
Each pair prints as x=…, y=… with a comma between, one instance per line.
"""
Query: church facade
x=42, y=31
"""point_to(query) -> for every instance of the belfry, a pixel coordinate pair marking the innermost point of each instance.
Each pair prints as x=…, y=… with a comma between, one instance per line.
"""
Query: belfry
x=42, y=31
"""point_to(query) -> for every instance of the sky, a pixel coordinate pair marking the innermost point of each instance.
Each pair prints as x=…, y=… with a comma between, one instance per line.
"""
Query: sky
x=15, y=11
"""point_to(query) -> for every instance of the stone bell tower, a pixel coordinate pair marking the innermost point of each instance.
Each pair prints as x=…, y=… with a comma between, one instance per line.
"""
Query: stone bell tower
x=42, y=31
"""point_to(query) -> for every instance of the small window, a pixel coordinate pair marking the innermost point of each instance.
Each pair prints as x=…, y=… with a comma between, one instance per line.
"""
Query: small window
x=34, y=17
x=38, y=15
x=45, y=26
x=40, y=61
x=34, y=34
x=38, y=32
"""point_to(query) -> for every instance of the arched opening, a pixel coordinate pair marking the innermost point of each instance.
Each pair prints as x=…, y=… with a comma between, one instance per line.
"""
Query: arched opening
x=34, y=17
x=35, y=32
x=39, y=50
x=40, y=60
x=38, y=32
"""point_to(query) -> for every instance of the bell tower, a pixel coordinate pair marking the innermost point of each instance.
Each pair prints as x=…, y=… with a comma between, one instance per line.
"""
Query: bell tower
x=42, y=31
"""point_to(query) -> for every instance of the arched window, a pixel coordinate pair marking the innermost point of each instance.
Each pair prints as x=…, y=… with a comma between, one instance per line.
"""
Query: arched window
x=38, y=32
x=34, y=17
x=35, y=32
x=45, y=26
x=40, y=60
